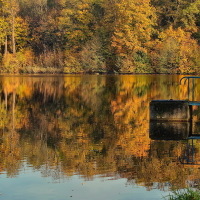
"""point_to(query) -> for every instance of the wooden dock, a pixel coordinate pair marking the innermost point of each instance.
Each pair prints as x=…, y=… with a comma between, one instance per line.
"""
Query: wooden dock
x=176, y=119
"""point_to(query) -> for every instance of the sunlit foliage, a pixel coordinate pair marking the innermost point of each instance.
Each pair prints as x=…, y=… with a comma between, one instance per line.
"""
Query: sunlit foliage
x=99, y=36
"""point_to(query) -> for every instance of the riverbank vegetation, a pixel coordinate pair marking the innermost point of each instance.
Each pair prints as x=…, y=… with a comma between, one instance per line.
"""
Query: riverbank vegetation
x=187, y=194
x=108, y=36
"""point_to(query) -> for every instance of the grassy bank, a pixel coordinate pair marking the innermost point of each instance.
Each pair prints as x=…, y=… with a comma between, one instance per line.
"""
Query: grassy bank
x=187, y=194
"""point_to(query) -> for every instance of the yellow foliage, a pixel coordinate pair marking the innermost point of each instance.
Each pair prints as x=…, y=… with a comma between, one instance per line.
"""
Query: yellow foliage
x=176, y=51
x=16, y=63
x=71, y=62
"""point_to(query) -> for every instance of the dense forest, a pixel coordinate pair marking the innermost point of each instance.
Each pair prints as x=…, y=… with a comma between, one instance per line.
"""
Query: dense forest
x=102, y=36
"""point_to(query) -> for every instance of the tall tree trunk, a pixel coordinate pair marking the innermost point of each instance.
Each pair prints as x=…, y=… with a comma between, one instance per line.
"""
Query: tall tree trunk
x=6, y=45
x=6, y=99
x=13, y=35
x=13, y=110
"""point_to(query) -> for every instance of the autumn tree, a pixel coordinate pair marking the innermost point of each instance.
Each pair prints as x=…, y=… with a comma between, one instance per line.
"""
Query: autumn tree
x=177, y=52
x=3, y=34
x=130, y=26
x=11, y=9
x=14, y=28
x=178, y=13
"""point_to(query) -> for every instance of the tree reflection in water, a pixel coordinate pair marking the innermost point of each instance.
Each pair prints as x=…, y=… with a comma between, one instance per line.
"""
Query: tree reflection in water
x=90, y=125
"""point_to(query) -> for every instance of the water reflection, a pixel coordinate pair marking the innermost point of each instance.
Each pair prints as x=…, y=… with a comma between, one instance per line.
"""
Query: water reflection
x=178, y=131
x=190, y=154
x=91, y=125
x=170, y=130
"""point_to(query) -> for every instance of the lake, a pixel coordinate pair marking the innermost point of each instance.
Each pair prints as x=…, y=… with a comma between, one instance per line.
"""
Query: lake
x=87, y=137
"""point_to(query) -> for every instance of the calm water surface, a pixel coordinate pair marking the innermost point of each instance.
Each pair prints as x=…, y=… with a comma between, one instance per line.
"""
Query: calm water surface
x=87, y=137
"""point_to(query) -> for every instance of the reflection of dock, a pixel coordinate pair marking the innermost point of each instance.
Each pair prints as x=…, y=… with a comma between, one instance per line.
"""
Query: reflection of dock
x=191, y=154
x=165, y=130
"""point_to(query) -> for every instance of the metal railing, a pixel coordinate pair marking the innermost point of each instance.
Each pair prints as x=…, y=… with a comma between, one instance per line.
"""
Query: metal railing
x=187, y=78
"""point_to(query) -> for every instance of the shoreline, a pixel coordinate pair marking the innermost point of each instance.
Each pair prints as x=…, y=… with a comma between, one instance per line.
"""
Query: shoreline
x=95, y=73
